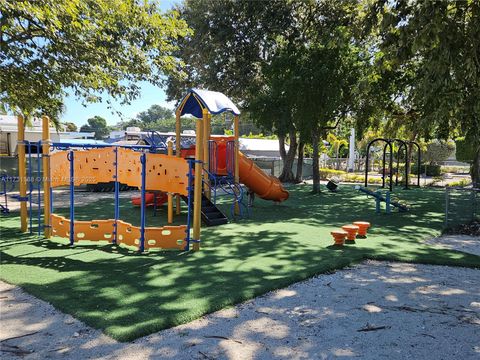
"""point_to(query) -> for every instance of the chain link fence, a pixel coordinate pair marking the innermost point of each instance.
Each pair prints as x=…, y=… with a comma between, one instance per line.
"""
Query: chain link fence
x=462, y=205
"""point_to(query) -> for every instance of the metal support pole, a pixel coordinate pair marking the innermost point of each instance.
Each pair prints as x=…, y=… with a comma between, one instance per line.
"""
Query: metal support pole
x=22, y=173
x=178, y=149
x=189, y=203
x=117, y=199
x=197, y=196
x=72, y=197
x=236, y=159
x=383, y=163
x=39, y=188
x=30, y=187
x=170, y=195
x=377, y=203
x=47, y=231
x=391, y=165
x=447, y=203
x=206, y=137
x=143, y=161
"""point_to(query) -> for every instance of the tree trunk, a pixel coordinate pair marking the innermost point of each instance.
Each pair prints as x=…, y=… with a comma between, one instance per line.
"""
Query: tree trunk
x=287, y=171
x=338, y=160
x=281, y=147
x=475, y=169
x=299, y=176
x=315, y=157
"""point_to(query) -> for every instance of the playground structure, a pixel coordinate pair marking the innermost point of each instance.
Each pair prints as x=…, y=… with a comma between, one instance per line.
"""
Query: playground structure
x=389, y=144
x=193, y=174
x=387, y=199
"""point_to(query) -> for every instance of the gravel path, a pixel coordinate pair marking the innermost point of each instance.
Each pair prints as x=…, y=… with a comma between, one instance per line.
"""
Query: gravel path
x=465, y=243
x=375, y=310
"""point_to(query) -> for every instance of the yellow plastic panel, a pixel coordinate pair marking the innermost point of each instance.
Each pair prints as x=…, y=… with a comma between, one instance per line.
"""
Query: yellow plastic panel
x=59, y=169
x=128, y=234
x=167, y=237
x=163, y=172
x=95, y=230
x=94, y=165
x=90, y=167
x=167, y=173
x=60, y=226
x=129, y=167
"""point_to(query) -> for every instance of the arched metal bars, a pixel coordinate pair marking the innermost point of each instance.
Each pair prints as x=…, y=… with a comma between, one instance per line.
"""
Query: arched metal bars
x=388, y=143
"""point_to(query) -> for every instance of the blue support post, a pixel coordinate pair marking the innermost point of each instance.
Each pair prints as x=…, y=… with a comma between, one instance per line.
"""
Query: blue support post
x=189, y=213
x=143, y=160
x=72, y=198
x=39, y=186
x=387, y=202
x=30, y=187
x=117, y=199
x=377, y=203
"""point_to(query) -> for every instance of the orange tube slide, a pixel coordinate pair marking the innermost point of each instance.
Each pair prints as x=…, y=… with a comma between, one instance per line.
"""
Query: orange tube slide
x=265, y=186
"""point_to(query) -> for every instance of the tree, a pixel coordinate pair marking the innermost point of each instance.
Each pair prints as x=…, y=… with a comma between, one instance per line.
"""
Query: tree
x=232, y=41
x=229, y=43
x=438, y=151
x=154, y=114
x=440, y=42
x=328, y=66
x=336, y=144
x=70, y=126
x=98, y=125
x=89, y=48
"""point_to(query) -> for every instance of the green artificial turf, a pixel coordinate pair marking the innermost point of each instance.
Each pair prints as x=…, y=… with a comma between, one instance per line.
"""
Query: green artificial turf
x=128, y=295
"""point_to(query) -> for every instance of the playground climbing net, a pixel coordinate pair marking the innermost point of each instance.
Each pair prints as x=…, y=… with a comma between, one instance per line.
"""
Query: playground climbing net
x=462, y=205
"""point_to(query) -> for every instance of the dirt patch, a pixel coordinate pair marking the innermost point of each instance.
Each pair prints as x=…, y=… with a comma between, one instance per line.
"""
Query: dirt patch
x=374, y=310
x=472, y=228
x=61, y=198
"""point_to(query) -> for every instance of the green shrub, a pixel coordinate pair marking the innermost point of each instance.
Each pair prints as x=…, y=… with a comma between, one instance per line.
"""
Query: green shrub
x=460, y=183
x=455, y=169
x=465, y=149
x=354, y=178
x=431, y=170
x=329, y=173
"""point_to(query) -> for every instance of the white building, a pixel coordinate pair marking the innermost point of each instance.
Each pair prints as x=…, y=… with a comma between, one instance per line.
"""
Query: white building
x=33, y=133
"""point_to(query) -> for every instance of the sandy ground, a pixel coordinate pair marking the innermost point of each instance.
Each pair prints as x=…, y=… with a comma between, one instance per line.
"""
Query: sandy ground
x=61, y=198
x=375, y=310
x=465, y=243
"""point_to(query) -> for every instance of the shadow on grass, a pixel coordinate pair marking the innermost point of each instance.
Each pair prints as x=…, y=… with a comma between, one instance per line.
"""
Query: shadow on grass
x=129, y=295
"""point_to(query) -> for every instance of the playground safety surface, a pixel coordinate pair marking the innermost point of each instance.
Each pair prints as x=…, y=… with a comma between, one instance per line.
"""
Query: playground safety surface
x=128, y=295
x=373, y=310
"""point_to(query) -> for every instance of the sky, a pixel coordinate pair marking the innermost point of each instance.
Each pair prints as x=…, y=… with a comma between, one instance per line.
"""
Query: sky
x=75, y=112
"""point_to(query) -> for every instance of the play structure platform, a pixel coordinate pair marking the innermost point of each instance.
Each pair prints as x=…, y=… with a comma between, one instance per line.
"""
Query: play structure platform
x=164, y=172
x=379, y=197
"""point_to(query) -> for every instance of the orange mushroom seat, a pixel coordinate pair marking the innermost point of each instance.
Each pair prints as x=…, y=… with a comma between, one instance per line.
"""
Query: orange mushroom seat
x=339, y=237
x=351, y=233
x=363, y=227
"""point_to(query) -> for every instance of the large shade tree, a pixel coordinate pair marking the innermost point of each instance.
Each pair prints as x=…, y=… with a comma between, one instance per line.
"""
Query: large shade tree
x=440, y=41
x=231, y=44
x=89, y=48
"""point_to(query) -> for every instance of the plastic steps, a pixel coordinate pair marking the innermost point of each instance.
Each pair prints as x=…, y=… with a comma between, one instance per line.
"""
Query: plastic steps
x=211, y=215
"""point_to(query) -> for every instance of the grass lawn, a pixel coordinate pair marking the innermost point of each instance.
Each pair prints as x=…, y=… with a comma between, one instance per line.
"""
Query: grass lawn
x=128, y=295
